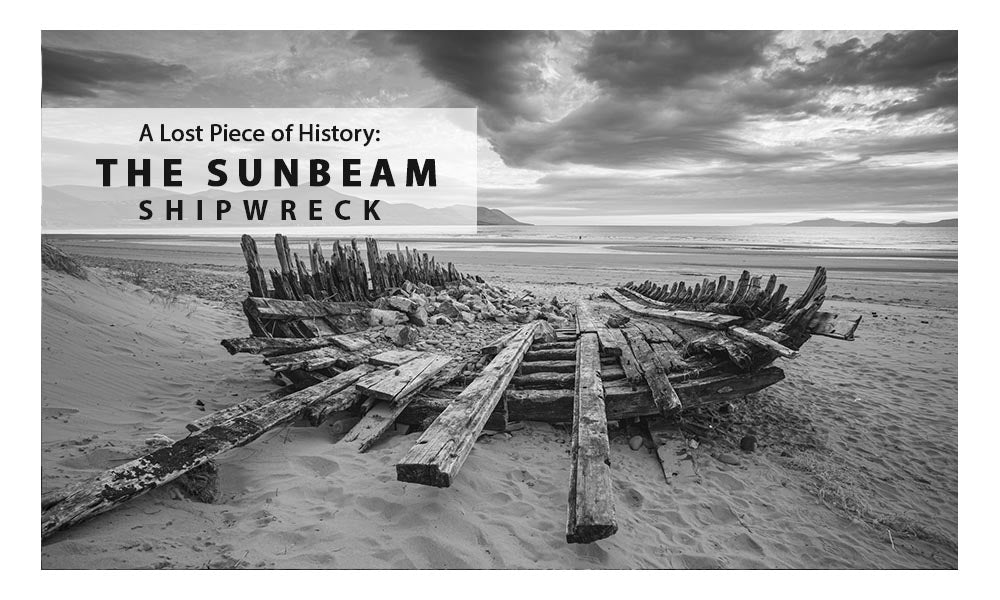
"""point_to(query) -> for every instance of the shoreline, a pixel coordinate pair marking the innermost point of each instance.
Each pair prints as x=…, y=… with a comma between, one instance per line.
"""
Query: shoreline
x=873, y=447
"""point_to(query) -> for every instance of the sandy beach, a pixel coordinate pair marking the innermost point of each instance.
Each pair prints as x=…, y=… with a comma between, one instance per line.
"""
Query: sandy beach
x=857, y=465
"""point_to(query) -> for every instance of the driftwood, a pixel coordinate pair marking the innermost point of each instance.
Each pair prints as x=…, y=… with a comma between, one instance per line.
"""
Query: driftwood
x=591, y=508
x=443, y=448
x=118, y=485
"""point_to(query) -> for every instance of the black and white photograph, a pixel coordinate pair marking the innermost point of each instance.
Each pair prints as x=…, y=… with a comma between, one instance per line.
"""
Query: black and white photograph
x=499, y=299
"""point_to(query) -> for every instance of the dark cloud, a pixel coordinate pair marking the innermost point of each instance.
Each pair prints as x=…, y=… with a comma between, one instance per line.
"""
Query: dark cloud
x=644, y=62
x=926, y=61
x=82, y=73
x=616, y=132
x=943, y=94
x=498, y=70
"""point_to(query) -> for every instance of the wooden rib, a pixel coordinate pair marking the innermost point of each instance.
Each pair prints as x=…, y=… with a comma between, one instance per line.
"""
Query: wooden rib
x=701, y=319
x=623, y=401
x=763, y=341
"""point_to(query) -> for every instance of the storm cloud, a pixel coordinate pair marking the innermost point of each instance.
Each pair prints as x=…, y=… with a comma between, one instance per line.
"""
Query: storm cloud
x=583, y=124
x=644, y=62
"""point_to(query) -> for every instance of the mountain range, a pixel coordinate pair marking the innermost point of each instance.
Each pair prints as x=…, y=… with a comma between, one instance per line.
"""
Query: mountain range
x=839, y=223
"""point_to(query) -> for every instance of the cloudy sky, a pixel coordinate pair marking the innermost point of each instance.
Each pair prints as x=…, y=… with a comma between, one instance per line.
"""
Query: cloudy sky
x=673, y=128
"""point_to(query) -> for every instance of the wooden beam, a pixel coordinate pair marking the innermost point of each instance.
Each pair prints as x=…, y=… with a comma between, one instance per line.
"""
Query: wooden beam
x=392, y=395
x=394, y=358
x=393, y=382
x=279, y=346
x=655, y=370
x=443, y=448
x=591, y=511
x=124, y=482
x=622, y=401
x=285, y=310
x=611, y=340
x=240, y=408
x=763, y=341
x=311, y=360
x=585, y=320
x=690, y=317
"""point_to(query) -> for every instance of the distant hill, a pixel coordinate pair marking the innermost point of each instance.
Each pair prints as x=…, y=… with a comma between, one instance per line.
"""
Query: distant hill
x=839, y=223
x=493, y=216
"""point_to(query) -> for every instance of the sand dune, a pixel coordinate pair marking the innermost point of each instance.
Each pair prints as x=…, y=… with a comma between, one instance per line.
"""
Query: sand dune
x=120, y=364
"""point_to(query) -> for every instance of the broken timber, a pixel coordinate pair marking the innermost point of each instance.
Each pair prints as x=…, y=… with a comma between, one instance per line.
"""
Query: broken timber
x=442, y=449
x=279, y=346
x=591, y=509
x=118, y=485
x=654, y=370
x=391, y=392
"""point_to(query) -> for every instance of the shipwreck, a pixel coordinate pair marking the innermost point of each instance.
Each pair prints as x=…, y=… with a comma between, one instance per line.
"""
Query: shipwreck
x=642, y=352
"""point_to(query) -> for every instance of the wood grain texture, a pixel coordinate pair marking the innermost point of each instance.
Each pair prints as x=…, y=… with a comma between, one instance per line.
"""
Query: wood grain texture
x=120, y=484
x=591, y=507
x=444, y=447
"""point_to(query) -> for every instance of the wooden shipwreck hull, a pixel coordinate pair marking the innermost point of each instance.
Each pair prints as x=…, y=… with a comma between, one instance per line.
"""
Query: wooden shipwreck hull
x=640, y=353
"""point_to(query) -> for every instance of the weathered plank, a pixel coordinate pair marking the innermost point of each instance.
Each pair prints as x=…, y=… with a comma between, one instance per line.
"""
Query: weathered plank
x=591, y=508
x=120, y=484
x=553, y=366
x=274, y=309
x=497, y=345
x=443, y=448
x=835, y=325
x=395, y=381
x=551, y=354
x=690, y=317
x=611, y=340
x=742, y=354
x=677, y=465
x=655, y=371
x=240, y=408
x=278, y=346
x=311, y=360
x=614, y=341
x=622, y=401
x=763, y=342
x=383, y=412
x=394, y=358
x=544, y=380
x=585, y=320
